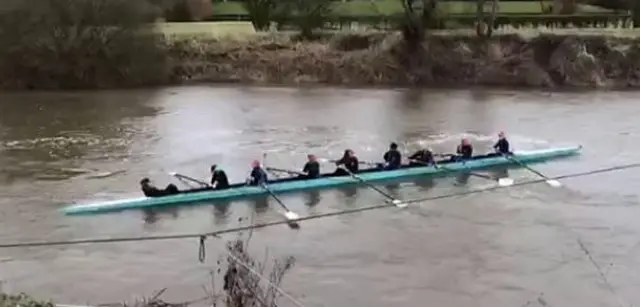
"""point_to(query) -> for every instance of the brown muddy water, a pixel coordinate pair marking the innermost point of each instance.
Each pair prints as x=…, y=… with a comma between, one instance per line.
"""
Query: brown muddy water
x=513, y=247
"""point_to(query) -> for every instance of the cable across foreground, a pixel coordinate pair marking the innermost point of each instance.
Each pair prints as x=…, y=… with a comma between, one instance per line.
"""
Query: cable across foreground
x=310, y=217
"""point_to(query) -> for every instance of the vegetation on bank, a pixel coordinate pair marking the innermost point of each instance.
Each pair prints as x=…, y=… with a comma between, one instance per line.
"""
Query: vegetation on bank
x=22, y=300
x=237, y=270
x=69, y=44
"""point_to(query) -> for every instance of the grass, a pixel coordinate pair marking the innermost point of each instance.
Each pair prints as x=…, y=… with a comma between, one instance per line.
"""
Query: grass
x=391, y=7
x=208, y=29
x=245, y=29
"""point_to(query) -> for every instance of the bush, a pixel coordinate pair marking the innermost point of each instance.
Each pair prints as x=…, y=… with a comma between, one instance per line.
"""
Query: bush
x=79, y=44
x=185, y=10
x=305, y=15
x=261, y=12
x=21, y=300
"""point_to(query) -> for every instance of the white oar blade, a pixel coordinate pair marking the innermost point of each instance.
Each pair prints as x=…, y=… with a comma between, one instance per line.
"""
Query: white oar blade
x=173, y=174
x=290, y=215
x=398, y=203
x=505, y=182
x=554, y=183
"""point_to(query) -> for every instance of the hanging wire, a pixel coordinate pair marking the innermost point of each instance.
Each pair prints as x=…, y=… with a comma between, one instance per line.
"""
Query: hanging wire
x=202, y=249
x=311, y=217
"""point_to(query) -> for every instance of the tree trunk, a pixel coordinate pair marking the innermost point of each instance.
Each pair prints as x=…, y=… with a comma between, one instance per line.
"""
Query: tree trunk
x=492, y=18
x=480, y=18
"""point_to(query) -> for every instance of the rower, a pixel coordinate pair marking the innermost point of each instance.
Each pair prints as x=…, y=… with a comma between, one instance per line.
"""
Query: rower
x=311, y=168
x=464, y=150
x=392, y=158
x=502, y=146
x=258, y=176
x=219, y=180
x=422, y=157
x=150, y=190
x=349, y=161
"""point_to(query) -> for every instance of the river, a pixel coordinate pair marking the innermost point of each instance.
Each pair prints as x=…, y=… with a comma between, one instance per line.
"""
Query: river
x=531, y=245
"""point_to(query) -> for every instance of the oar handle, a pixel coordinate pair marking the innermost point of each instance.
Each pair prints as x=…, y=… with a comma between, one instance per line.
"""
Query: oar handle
x=274, y=169
x=190, y=179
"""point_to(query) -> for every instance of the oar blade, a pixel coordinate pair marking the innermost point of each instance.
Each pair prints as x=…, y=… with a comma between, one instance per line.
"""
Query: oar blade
x=173, y=174
x=554, y=183
x=505, y=182
x=398, y=203
x=290, y=215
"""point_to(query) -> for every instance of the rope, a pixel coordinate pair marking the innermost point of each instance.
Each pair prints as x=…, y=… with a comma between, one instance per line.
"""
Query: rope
x=311, y=217
x=202, y=250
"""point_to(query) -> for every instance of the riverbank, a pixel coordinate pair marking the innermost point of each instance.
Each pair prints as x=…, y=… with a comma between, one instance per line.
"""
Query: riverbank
x=379, y=58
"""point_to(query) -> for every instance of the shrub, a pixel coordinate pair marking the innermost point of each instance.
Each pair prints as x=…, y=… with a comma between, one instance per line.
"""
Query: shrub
x=79, y=44
x=261, y=12
x=186, y=10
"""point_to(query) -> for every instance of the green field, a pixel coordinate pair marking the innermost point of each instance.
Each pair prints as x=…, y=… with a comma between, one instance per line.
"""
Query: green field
x=246, y=30
x=208, y=29
x=391, y=7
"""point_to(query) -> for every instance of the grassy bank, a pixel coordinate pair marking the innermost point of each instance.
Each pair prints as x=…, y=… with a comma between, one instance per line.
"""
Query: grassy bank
x=207, y=29
x=244, y=29
x=529, y=58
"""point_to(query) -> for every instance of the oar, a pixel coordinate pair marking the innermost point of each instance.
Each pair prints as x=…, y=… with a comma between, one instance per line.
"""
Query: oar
x=290, y=215
x=325, y=160
x=286, y=171
x=180, y=176
x=398, y=203
x=552, y=182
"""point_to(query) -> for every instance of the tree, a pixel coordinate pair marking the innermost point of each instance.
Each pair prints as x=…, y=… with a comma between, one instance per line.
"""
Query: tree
x=419, y=14
x=564, y=6
x=306, y=15
x=261, y=12
x=79, y=44
x=485, y=28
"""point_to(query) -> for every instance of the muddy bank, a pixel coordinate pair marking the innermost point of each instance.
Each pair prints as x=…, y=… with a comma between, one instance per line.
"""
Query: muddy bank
x=380, y=59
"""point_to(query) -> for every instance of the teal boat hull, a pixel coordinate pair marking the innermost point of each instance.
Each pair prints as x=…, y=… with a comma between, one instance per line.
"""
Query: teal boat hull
x=325, y=182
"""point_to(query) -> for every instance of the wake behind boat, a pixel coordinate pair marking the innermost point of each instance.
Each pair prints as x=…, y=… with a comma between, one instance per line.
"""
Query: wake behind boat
x=242, y=190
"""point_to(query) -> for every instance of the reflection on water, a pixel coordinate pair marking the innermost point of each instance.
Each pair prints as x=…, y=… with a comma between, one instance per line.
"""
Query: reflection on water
x=153, y=215
x=462, y=178
x=221, y=212
x=312, y=198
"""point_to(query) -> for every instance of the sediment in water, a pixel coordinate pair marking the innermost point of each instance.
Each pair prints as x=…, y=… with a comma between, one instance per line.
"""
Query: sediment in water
x=378, y=58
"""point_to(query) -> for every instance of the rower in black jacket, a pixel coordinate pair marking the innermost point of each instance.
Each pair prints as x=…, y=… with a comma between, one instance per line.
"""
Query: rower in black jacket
x=311, y=168
x=219, y=180
x=422, y=157
x=150, y=190
x=502, y=146
x=349, y=161
x=464, y=150
x=258, y=176
x=392, y=158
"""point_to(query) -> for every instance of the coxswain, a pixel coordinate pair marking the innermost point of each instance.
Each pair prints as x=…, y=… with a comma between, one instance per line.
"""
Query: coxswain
x=311, y=169
x=392, y=158
x=348, y=161
x=258, y=176
x=150, y=190
x=422, y=157
x=219, y=180
x=502, y=146
x=464, y=150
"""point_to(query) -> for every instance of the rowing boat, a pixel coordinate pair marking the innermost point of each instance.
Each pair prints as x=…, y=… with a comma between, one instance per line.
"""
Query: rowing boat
x=240, y=190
